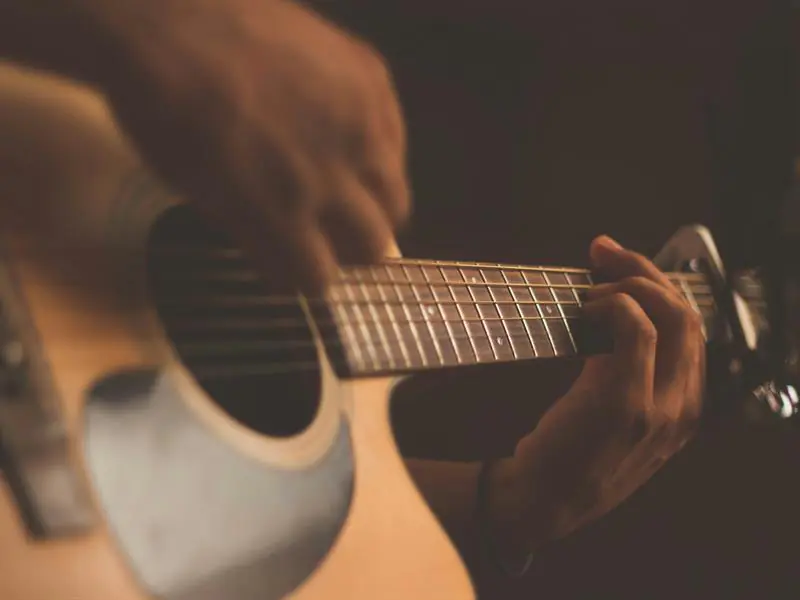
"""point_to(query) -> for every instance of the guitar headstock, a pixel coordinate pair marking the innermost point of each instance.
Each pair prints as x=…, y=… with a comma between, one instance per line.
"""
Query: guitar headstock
x=753, y=362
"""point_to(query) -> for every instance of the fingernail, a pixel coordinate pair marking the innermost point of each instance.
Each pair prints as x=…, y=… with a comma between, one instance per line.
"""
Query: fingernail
x=603, y=248
x=608, y=242
x=597, y=290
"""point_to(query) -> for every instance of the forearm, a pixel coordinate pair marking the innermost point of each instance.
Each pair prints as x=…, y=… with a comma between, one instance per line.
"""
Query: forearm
x=450, y=488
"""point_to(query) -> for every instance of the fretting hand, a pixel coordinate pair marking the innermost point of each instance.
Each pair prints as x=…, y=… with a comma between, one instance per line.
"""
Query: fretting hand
x=627, y=413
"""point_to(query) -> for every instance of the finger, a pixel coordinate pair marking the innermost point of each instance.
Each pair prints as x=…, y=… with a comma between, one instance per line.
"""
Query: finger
x=280, y=236
x=678, y=326
x=384, y=175
x=634, y=336
x=293, y=259
x=291, y=256
x=358, y=229
x=386, y=102
x=616, y=262
x=638, y=468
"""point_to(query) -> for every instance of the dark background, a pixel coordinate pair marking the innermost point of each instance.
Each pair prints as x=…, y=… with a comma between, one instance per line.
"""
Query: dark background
x=530, y=134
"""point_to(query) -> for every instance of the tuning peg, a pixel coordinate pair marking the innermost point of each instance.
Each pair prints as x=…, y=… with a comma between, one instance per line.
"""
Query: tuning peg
x=772, y=400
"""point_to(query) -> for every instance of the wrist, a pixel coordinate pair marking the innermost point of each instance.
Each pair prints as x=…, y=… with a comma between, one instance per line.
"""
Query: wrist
x=514, y=526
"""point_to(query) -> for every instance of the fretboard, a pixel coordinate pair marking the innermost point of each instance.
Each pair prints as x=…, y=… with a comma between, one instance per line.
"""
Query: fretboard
x=406, y=315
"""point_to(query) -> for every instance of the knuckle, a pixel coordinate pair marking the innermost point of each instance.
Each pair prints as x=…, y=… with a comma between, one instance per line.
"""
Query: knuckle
x=636, y=421
x=376, y=64
x=688, y=325
x=638, y=282
x=641, y=326
x=691, y=322
x=648, y=334
x=639, y=260
x=626, y=305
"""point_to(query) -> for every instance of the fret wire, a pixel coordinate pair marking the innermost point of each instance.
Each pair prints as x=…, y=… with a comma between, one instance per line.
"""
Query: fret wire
x=470, y=302
x=248, y=275
x=508, y=267
x=250, y=324
x=478, y=358
x=353, y=351
x=447, y=322
x=468, y=283
x=506, y=328
x=501, y=302
x=495, y=340
x=362, y=325
x=492, y=302
x=677, y=279
x=355, y=345
x=479, y=265
x=507, y=331
x=465, y=319
x=531, y=337
x=482, y=318
x=475, y=342
x=423, y=355
x=396, y=327
x=578, y=301
x=378, y=326
x=697, y=289
x=525, y=326
x=561, y=312
x=211, y=348
x=260, y=299
x=239, y=302
x=438, y=310
x=544, y=322
x=426, y=317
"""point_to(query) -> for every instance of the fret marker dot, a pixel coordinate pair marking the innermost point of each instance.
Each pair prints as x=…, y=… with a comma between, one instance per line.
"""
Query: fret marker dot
x=431, y=310
x=499, y=341
x=473, y=279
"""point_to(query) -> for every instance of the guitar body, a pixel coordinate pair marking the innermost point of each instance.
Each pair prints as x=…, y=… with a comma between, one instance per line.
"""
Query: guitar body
x=187, y=500
x=171, y=429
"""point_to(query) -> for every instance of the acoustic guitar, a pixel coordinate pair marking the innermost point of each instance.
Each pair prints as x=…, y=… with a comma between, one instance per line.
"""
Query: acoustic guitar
x=171, y=429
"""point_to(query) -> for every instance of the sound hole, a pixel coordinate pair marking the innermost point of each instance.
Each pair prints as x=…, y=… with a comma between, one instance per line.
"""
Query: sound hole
x=251, y=351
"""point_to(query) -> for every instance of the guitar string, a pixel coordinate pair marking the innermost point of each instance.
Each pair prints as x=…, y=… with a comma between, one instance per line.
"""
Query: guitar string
x=277, y=323
x=481, y=350
x=371, y=280
x=698, y=291
x=286, y=322
x=269, y=345
x=486, y=354
x=383, y=326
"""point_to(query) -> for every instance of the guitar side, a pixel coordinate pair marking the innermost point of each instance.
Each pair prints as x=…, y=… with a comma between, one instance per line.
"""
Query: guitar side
x=383, y=542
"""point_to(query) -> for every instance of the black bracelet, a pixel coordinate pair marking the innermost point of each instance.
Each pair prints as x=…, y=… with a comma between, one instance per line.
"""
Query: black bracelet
x=484, y=526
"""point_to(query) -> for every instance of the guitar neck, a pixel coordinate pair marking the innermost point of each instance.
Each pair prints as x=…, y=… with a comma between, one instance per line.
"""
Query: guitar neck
x=411, y=315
